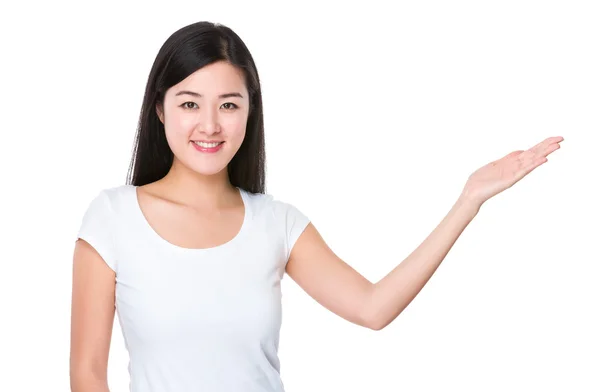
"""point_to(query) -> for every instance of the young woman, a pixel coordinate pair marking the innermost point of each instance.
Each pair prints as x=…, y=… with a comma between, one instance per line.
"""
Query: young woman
x=191, y=251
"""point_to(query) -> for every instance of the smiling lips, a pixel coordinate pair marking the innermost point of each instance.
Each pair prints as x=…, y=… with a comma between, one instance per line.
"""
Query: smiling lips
x=203, y=146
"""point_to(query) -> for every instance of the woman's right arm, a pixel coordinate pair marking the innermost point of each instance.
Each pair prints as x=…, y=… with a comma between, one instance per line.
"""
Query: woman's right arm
x=92, y=316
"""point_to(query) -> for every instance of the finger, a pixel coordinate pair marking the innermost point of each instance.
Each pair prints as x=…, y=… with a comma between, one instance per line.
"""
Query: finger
x=547, y=150
x=530, y=166
x=540, y=150
x=551, y=148
x=536, y=156
x=535, y=150
x=554, y=139
x=545, y=143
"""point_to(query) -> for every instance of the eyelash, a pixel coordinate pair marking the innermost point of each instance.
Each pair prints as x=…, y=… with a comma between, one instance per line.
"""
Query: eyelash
x=185, y=107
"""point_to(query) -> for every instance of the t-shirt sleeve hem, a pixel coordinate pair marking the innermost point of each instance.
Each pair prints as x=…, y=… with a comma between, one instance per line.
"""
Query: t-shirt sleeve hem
x=97, y=228
x=297, y=223
x=99, y=248
x=296, y=233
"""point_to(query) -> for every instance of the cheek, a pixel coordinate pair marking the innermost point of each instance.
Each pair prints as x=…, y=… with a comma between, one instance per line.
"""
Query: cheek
x=176, y=133
x=234, y=127
x=184, y=123
x=178, y=127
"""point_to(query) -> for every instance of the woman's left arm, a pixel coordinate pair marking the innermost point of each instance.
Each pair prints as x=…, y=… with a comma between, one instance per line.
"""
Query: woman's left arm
x=341, y=289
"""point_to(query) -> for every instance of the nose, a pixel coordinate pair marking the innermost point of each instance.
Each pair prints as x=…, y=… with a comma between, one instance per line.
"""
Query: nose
x=208, y=122
x=210, y=127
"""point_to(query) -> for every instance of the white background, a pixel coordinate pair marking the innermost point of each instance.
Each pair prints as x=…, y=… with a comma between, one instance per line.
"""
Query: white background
x=375, y=116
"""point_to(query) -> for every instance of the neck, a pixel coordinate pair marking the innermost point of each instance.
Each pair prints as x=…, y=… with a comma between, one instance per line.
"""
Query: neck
x=199, y=190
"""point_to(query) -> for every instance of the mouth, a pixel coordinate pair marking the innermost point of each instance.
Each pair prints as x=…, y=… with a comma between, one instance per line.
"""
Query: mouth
x=203, y=146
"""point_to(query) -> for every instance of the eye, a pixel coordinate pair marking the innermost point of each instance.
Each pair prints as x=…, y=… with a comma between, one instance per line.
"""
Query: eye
x=186, y=106
x=232, y=105
x=228, y=105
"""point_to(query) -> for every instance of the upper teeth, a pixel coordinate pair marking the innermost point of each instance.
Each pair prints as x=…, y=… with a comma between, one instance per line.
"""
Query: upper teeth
x=207, y=145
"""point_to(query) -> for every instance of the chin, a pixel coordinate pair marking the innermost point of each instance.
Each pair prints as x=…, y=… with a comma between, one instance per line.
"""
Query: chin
x=207, y=170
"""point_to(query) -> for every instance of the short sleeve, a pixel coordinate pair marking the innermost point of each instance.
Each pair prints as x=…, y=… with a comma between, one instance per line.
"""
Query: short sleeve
x=97, y=228
x=295, y=223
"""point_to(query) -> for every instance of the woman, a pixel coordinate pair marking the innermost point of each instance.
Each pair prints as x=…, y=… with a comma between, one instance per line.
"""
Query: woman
x=191, y=251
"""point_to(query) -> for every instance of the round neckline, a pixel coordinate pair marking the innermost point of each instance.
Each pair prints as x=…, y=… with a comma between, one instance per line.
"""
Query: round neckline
x=148, y=227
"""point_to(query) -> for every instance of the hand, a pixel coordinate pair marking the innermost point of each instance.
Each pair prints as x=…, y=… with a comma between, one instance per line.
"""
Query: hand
x=500, y=175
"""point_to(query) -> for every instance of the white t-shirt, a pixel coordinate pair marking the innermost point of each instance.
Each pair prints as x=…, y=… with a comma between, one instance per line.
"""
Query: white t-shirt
x=197, y=319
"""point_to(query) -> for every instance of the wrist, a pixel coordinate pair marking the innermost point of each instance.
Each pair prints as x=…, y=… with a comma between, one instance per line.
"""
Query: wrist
x=469, y=202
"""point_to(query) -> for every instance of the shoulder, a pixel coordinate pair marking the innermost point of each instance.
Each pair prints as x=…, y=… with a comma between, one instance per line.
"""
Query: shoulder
x=115, y=193
x=282, y=216
x=112, y=198
x=266, y=203
x=98, y=223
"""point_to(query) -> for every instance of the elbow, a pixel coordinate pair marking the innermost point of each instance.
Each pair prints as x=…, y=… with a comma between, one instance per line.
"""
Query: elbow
x=84, y=379
x=85, y=382
x=372, y=324
x=375, y=324
x=369, y=315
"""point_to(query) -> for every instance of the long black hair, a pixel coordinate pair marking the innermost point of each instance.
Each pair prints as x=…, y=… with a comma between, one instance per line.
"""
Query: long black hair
x=183, y=53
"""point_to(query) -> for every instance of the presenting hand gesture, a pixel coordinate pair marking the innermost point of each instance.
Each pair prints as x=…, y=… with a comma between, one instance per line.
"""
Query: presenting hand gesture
x=499, y=175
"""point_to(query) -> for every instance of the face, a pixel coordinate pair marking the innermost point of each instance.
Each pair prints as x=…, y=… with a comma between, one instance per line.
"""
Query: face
x=210, y=106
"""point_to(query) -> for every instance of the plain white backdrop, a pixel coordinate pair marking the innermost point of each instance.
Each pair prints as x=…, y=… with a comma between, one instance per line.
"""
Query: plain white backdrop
x=375, y=116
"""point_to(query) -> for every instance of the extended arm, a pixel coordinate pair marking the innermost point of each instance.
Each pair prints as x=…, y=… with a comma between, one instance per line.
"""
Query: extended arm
x=397, y=289
x=341, y=289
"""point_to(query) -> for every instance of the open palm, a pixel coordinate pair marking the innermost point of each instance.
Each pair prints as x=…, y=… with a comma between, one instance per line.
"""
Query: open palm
x=503, y=173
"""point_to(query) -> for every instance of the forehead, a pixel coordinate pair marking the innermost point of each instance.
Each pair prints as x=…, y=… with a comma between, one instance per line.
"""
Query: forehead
x=213, y=79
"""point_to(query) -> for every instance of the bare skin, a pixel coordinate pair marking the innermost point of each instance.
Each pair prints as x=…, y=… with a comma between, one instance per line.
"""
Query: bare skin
x=342, y=290
x=191, y=225
x=92, y=316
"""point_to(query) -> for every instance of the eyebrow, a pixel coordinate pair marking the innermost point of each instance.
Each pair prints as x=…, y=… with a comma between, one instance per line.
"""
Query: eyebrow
x=200, y=95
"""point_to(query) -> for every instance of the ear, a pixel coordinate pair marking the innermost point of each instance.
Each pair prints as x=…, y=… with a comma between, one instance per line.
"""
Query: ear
x=160, y=113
